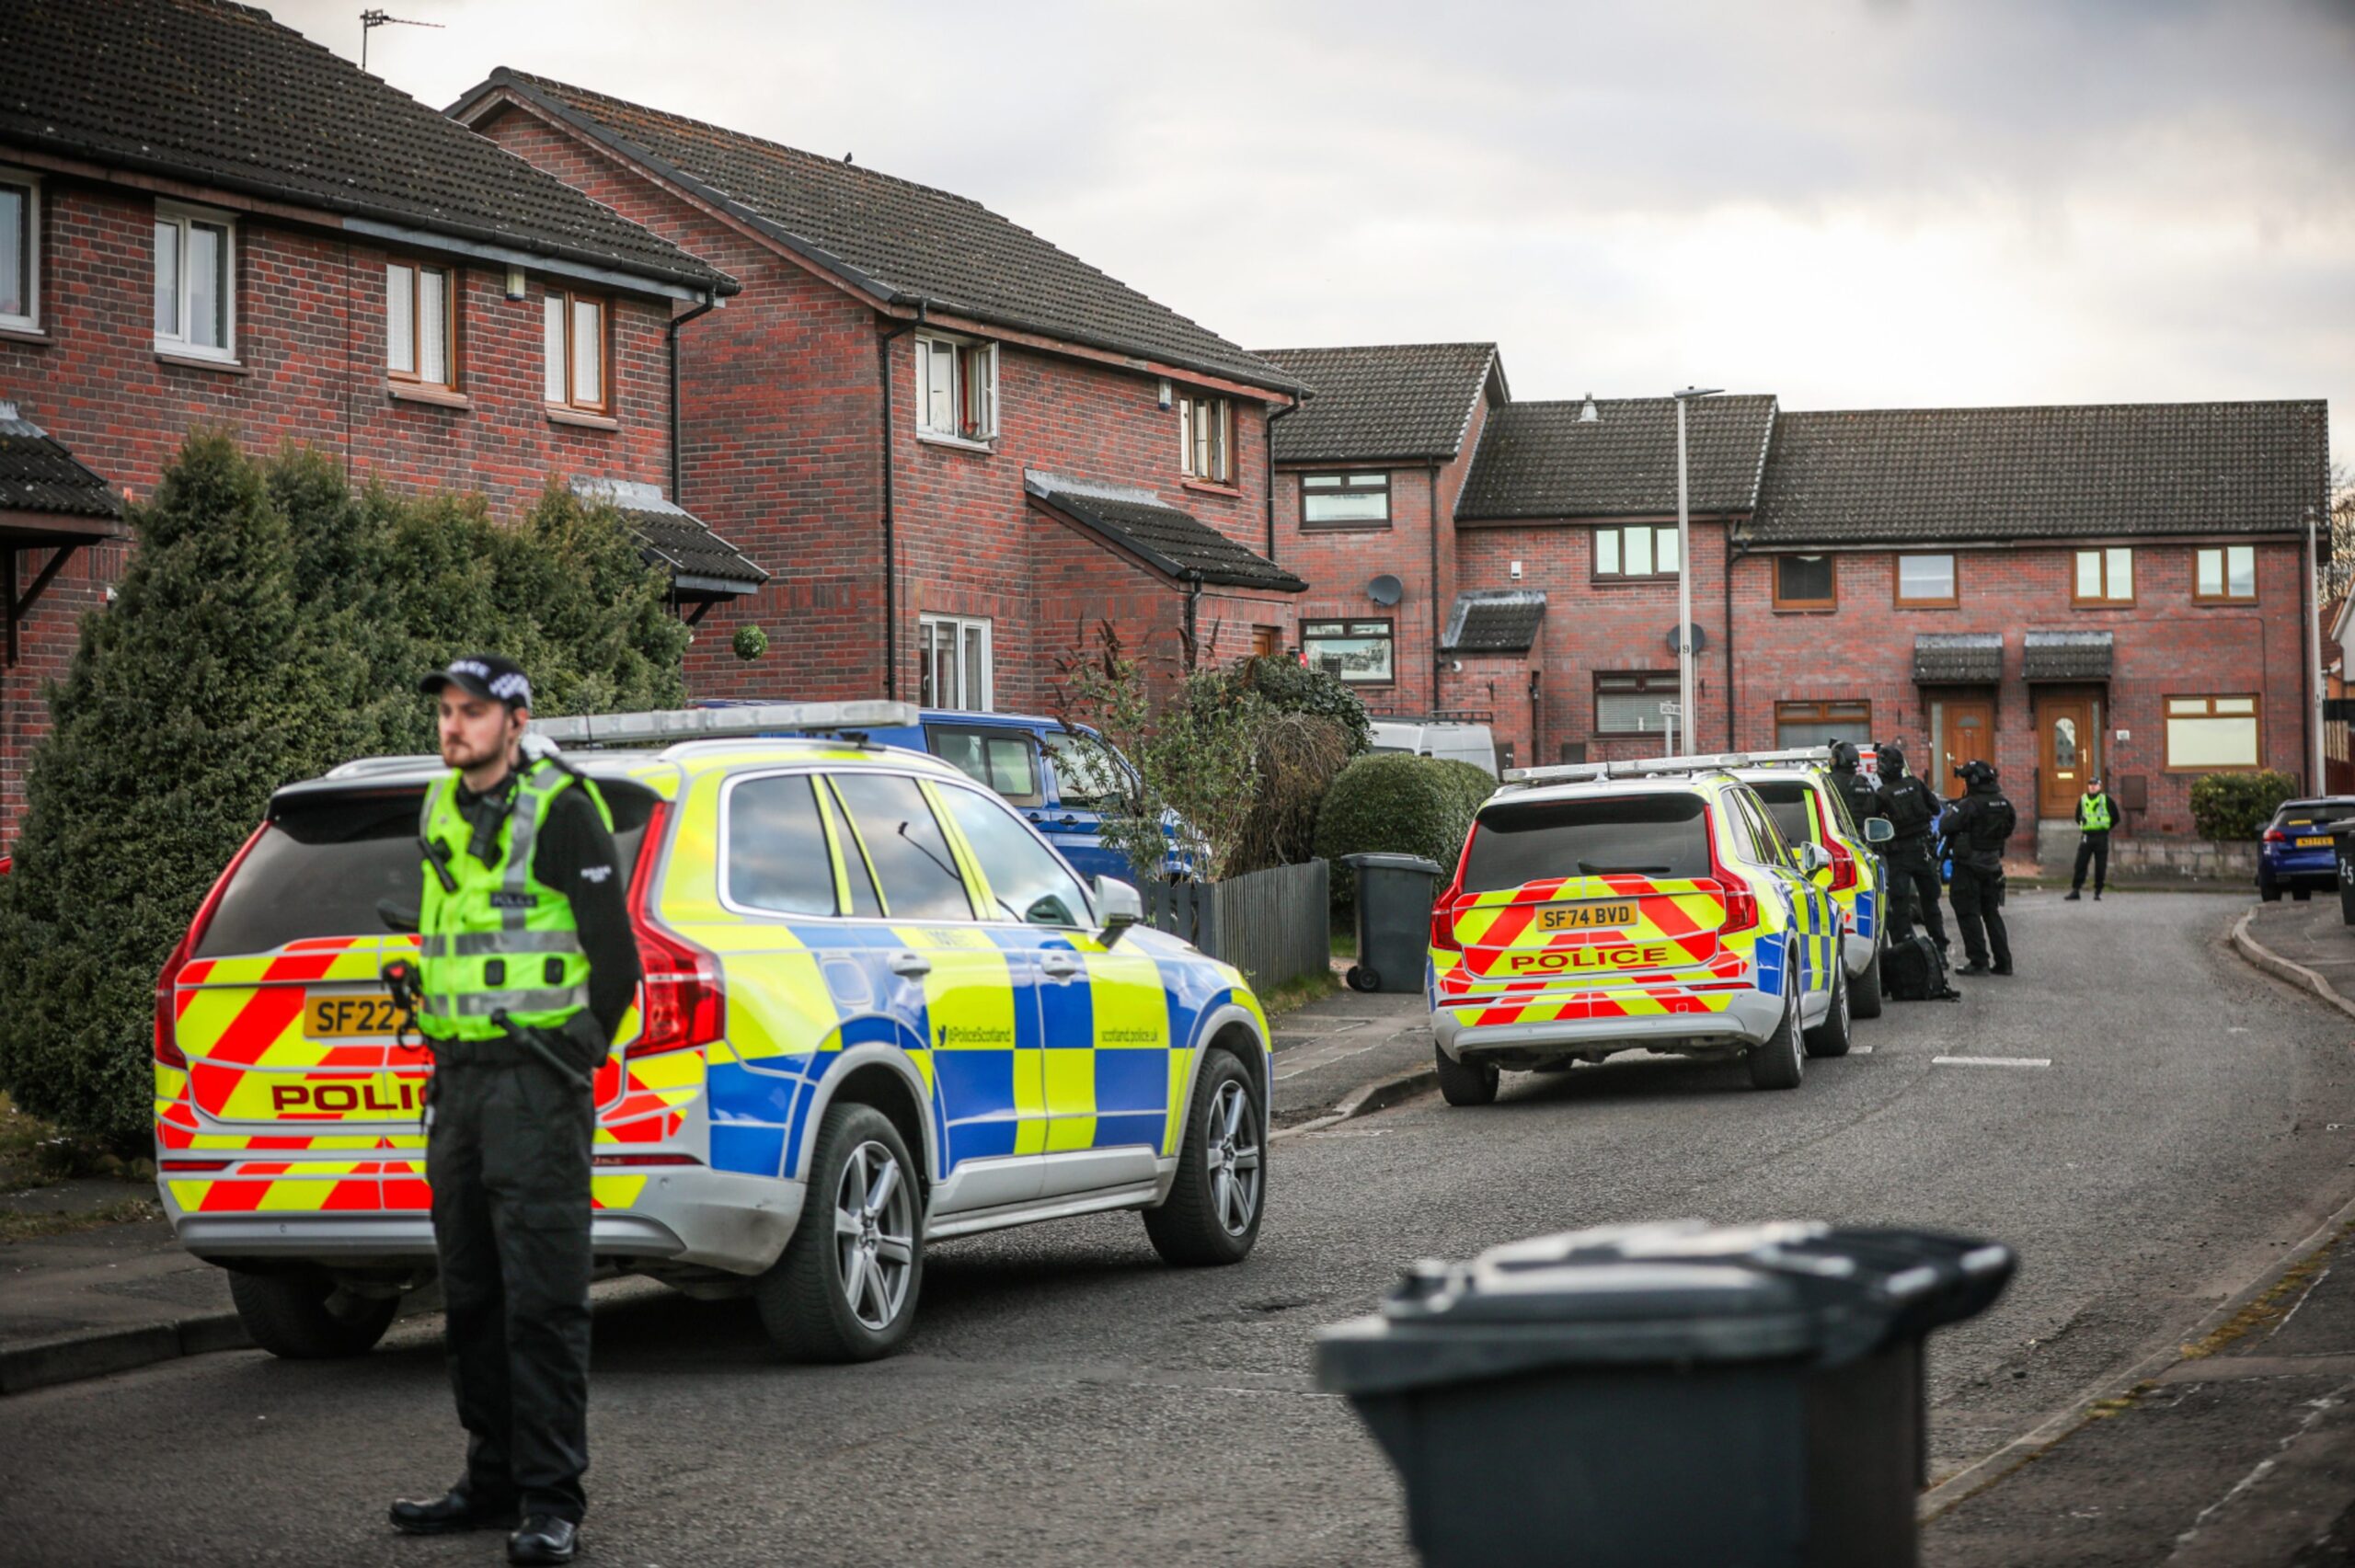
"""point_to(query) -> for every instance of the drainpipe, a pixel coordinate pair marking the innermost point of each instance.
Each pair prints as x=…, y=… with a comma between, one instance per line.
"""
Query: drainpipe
x=710, y=302
x=1735, y=550
x=2309, y=687
x=890, y=557
x=1300, y=396
x=1193, y=602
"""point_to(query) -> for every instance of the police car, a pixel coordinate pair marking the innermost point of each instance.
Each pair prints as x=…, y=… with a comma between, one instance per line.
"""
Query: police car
x=1648, y=905
x=878, y=1010
x=1799, y=793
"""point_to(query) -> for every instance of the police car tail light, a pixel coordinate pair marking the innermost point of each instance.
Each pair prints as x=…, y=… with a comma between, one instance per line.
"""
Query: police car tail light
x=1443, y=923
x=1741, y=904
x=681, y=1004
x=1843, y=867
x=167, y=1051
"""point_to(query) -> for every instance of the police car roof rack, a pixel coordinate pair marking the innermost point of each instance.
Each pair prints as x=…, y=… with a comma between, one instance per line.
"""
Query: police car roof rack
x=669, y=726
x=1657, y=767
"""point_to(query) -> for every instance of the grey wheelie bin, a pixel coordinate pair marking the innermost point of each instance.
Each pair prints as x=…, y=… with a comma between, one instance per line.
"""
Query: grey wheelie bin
x=1395, y=895
x=1667, y=1393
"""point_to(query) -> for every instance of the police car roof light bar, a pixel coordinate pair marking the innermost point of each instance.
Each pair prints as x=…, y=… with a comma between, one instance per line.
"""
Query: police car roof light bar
x=1654, y=767
x=669, y=726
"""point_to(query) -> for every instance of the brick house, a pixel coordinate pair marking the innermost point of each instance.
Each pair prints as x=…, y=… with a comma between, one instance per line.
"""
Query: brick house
x=1368, y=472
x=207, y=220
x=954, y=447
x=2059, y=588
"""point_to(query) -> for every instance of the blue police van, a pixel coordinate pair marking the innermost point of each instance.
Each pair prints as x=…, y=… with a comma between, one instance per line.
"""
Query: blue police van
x=1034, y=762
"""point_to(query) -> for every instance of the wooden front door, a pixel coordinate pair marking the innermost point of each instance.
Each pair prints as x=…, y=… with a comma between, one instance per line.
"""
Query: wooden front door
x=2067, y=743
x=1966, y=734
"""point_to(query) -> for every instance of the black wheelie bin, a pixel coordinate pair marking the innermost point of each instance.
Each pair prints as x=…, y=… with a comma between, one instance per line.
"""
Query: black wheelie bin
x=1664, y=1394
x=1394, y=894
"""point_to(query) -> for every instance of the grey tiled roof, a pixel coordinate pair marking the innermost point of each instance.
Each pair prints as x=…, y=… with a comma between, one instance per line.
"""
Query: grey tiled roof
x=2066, y=655
x=1173, y=542
x=1405, y=400
x=1903, y=475
x=1958, y=657
x=1494, y=620
x=702, y=564
x=1544, y=460
x=38, y=474
x=892, y=236
x=222, y=95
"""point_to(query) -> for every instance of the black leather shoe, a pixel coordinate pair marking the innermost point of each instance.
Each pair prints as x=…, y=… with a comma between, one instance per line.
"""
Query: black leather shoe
x=2001, y=970
x=544, y=1539
x=2075, y=895
x=450, y=1514
x=1974, y=969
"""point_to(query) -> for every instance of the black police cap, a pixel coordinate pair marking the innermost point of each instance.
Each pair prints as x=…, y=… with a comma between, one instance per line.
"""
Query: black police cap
x=490, y=675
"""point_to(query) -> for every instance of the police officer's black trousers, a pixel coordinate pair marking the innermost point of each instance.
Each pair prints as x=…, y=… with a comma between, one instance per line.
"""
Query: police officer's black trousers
x=1979, y=912
x=509, y=1159
x=2093, y=848
x=1914, y=877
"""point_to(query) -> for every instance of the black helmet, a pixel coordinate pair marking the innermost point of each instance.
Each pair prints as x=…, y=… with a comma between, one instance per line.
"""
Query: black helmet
x=1844, y=755
x=1976, y=773
x=1891, y=755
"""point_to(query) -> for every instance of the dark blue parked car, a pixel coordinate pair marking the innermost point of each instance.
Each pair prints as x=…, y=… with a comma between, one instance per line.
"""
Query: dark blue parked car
x=2295, y=855
x=1034, y=762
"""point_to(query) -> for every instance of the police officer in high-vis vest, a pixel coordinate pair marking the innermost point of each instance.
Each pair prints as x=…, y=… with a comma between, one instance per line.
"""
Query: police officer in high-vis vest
x=527, y=964
x=2095, y=817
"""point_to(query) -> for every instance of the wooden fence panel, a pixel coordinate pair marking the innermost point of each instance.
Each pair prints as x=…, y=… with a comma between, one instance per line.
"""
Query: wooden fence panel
x=1274, y=925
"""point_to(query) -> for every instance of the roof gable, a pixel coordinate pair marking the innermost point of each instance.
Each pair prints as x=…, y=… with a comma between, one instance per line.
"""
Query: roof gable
x=219, y=94
x=891, y=237
x=1403, y=400
x=1968, y=476
x=1549, y=459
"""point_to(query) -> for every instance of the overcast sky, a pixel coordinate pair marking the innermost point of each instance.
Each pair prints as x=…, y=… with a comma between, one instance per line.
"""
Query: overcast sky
x=1847, y=202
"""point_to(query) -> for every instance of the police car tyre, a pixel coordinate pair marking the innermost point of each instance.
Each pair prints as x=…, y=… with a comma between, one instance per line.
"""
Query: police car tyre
x=1864, y=997
x=845, y=1288
x=1214, y=1204
x=1466, y=1082
x=1779, y=1062
x=306, y=1316
x=1832, y=1038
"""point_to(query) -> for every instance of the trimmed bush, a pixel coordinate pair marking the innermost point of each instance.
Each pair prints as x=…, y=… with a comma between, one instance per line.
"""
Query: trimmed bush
x=2237, y=806
x=1472, y=787
x=1394, y=803
x=1289, y=686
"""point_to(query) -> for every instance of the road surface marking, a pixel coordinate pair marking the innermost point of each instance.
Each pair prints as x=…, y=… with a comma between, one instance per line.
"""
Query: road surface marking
x=1993, y=1061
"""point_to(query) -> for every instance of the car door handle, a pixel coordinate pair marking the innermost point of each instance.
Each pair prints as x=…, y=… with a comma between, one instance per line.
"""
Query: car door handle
x=911, y=966
x=1071, y=821
x=1059, y=965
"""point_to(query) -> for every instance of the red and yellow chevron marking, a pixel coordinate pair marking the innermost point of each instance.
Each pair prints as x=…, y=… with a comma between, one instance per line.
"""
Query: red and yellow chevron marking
x=1675, y=927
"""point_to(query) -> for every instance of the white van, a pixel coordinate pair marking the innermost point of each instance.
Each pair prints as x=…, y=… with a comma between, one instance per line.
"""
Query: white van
x=1470, y=743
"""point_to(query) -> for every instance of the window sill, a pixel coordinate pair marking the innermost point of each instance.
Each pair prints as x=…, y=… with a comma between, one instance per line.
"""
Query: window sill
x=580, y=420
x=1204, y=488
x=1807, y=609
x=2200, y=603
x=197, y=363
x=957, y=444
x=1668, y=580
x=439, y=396
x=1929, y=604
x=2101, y=604
x=1346, y=528
x=32, y=335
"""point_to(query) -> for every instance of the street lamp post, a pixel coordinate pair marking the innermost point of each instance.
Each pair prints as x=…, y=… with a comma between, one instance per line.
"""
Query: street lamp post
x=1685, y=709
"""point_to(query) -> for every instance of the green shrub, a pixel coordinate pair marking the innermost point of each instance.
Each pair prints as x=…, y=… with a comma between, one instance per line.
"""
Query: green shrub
x=1472, y=787
x=271, y=625
x=1397, y=804
x=2237, y=806
x=1289, y=686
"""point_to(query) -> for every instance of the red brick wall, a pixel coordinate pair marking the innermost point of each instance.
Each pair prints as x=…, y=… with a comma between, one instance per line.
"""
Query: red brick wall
x=2164, y=645
x=782, y=439
x=310, y=339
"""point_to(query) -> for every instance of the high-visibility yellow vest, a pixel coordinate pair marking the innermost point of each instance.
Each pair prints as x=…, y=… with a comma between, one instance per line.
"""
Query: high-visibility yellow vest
x=2093, y=813
x=499, y=941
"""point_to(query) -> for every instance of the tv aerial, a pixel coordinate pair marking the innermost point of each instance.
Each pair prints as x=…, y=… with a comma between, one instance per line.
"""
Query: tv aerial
x=370, y=20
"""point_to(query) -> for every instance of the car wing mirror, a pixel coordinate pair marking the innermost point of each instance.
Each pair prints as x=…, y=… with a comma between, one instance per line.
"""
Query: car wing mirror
x=1811, y=858
x=1118, y=906
x=1879, y=830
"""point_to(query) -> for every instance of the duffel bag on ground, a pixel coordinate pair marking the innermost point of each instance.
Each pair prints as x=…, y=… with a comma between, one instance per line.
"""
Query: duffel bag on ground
x=1913, y=969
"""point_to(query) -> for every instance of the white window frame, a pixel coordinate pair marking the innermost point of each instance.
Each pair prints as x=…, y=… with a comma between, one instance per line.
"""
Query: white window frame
x=971, y=382
x=179, y=343
x=960, y=630
x=1217, y=415
x=30, y=319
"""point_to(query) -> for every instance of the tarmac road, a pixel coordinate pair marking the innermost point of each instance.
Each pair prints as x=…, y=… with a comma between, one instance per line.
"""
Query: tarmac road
x=1069, y=1400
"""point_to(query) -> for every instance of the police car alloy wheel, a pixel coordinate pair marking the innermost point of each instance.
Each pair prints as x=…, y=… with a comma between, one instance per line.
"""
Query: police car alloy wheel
x=1832, y=1038
x=1779, y=1063
x=1213, y=1212
x=845, y=1288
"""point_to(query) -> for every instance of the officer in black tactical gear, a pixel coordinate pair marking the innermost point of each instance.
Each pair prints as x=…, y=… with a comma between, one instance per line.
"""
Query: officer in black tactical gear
x=1912, y=808
x=1975, y=827
x=1858, y=791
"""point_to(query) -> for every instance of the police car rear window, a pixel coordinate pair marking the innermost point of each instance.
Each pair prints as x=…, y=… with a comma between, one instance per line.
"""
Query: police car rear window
x=1643, y=835
x=1786, y=804
x=325, y=860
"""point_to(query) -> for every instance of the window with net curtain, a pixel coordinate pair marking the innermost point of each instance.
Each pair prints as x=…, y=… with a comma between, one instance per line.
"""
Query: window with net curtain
x=1806, y=723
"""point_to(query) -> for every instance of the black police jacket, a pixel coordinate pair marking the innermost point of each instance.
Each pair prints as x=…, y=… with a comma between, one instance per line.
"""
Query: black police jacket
x=1976, y=827
x=1910, y=804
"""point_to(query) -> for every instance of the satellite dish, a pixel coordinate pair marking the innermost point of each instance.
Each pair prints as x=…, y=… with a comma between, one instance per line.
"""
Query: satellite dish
x=1700, y=638
x=1385, y=590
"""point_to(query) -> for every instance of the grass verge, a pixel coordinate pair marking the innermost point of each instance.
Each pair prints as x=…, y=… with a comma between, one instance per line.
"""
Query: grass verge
x=117, y=1211
x=1297, y=993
